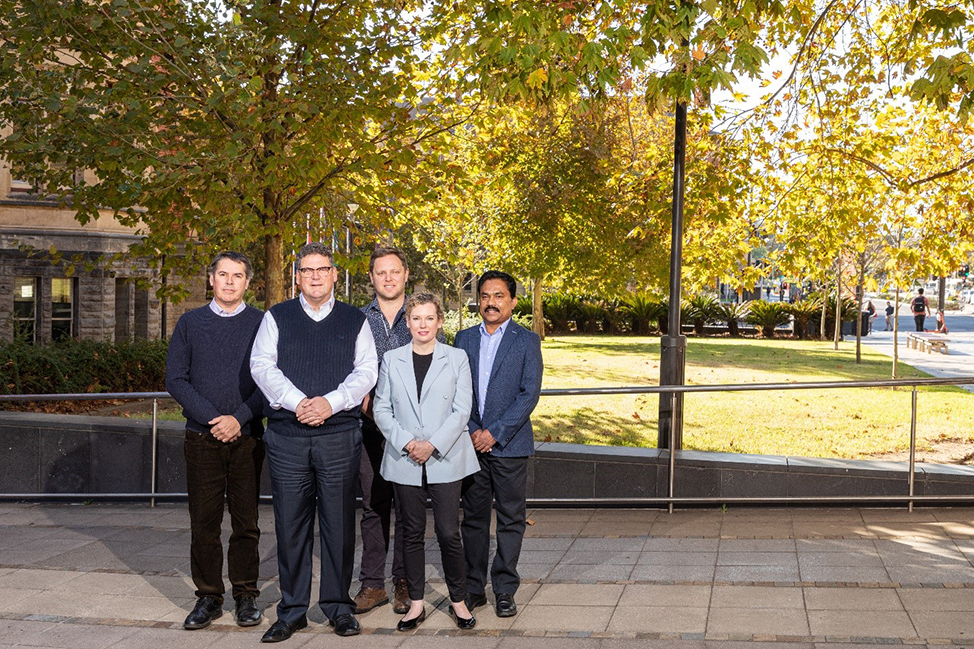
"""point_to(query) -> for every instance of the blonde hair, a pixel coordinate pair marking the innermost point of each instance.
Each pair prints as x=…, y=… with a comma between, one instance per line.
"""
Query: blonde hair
x=417, y=299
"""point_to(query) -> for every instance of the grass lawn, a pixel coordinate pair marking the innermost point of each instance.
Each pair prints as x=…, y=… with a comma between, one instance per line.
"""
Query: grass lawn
x=847, y=423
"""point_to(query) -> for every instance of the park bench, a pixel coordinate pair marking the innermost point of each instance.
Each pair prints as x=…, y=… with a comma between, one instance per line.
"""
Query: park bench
x=926, y=342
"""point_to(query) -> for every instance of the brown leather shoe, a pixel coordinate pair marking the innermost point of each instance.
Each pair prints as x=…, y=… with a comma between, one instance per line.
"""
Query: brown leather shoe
x=368, y=598
x=400, y=601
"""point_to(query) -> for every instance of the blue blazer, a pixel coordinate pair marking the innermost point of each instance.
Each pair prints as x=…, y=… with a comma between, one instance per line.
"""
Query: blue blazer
x=440, y=416
x=513, y=391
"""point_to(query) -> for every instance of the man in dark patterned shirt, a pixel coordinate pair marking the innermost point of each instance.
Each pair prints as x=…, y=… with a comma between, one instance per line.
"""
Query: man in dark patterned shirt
x=388, y=272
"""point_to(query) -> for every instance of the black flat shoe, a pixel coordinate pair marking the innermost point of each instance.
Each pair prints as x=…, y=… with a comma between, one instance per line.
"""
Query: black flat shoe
x=346, y=625
x=281, y=630
x=463, y=623
x=247, y=612
x=475, y=599
x=409, y=625
x=206, y=610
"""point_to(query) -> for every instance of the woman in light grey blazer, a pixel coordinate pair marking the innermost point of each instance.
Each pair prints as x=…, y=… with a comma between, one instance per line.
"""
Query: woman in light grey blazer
x=422, y=406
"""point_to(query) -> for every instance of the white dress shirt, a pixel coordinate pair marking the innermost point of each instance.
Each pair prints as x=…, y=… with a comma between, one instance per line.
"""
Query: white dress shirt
x=279, y=390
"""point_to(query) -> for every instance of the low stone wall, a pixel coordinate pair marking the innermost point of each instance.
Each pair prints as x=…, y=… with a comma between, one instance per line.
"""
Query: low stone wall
x=54, y=454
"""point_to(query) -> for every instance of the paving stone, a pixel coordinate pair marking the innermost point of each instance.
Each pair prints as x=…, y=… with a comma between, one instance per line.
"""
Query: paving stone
x=659, y=619
x=757, y=545
x=81, y=636
x=758, y=597
x=672, y=573
x=757, y=622
x=595, y=557
x=845, y=574
x=577, y=595
x=766, y=559
x=665, y=596
x=937, y=599
x=681, y=545
x=858, y=559
x=861, y=623
x=677, y=558
x=590, y=573
x=940, y=624
x=30, y=578
x=852, y=599
x=756, y=573
x=563, y=618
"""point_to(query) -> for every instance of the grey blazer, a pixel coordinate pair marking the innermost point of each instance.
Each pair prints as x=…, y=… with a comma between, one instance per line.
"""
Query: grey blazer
x=439, y=417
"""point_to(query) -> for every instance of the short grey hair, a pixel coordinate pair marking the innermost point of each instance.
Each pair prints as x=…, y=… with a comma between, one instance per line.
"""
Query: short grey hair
x=238, y=257
x=314, y=248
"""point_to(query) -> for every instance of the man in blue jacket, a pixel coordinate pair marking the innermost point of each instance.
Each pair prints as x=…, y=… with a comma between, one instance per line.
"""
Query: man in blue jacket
x=505, y=361
x=208, y=374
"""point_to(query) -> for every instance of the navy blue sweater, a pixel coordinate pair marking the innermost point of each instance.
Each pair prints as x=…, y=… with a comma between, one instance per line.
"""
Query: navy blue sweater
x=208, y=369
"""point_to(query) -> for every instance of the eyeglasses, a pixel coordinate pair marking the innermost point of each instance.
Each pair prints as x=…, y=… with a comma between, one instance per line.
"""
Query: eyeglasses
x=321, y=270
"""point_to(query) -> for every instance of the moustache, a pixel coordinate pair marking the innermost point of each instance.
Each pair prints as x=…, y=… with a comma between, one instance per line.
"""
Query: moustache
x=491, y=308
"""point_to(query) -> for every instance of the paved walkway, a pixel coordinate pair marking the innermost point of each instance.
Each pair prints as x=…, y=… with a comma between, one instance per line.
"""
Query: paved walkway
x=116, y=576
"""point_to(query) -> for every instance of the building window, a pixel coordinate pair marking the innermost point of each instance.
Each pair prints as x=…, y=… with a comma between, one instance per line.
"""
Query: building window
x=63, y=308
x=25, y=308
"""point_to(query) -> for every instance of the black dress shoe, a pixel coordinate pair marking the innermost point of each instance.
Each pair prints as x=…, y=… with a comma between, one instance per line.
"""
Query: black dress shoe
x=505, y=606
x=206, y=610
x=346, y=625
x=475, y=599
x=246, y=611
x=463, y=623
x=281, y=630
x=409, y=625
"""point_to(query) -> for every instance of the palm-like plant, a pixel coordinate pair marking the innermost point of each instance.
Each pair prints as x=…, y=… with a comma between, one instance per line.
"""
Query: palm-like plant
x=589, y=314
x=615, y=317
x=642, y=309
x=701, y=309
x=768, y=315
x=560, y=309
x=733, y=313
x=803, y=311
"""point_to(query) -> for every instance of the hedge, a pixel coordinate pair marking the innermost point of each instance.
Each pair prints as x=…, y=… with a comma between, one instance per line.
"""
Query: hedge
x=83, y=366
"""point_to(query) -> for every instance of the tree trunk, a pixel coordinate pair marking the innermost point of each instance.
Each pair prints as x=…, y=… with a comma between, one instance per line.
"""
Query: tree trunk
x=838, y=303
x=896, y=331
x=273, y=270
x=860, y=292
x=537, y=307
x=825, y=308
x=461, y=306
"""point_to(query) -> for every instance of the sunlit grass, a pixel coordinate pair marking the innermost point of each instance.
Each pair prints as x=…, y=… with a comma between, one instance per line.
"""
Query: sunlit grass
x=846, y=423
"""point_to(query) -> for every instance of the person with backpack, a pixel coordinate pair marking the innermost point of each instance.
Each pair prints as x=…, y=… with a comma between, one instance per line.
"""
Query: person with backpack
x=889, y=316
x=921, y=309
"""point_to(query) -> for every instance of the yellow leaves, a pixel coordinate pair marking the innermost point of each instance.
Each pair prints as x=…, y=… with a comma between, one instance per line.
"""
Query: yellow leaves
x=537, y=79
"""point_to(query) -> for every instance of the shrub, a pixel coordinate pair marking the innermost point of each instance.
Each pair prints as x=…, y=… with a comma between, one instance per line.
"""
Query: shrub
x=701, y=309
x=83, y=366
x=642, y=310
x=560, y=309
x=803, y=312
x=589, y=314
x=615, y=318
x=767, y=316
x=733, y=313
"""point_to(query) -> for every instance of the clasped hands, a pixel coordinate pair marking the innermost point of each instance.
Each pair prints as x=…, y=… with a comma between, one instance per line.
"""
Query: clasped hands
x=313, y=411
x=225, y=428
x=482, y=440
x=419, y=451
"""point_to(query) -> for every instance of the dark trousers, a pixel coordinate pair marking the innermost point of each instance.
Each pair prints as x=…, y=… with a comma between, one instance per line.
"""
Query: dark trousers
x=504, y=480
x=445, y=498
x=310, y=474
x=218, y=472
x=919, y=319
x=377, y=506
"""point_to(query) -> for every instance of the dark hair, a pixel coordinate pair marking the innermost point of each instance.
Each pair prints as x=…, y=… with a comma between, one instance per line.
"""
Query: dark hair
x=314, y=248
x=501, y=275
x=416, y=299
x=238, y=257
x=919, y=291
x=385, y=251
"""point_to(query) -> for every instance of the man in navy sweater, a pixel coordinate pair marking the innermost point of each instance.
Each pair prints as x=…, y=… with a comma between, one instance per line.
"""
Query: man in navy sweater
x=314, y=360
x=208, y=374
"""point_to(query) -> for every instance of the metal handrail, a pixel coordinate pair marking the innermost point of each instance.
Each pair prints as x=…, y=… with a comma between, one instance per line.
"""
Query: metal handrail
x=671, y=390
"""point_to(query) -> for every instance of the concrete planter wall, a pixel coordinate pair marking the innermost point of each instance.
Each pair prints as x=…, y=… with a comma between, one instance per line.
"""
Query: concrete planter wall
x=79, y=454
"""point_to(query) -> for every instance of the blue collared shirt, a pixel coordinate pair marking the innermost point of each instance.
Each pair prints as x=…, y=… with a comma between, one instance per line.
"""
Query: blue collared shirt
x=217, y=309
x=488, y=351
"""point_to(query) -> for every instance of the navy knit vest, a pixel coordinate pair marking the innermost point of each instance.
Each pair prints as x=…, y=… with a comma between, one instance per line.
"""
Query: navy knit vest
x=316, y=357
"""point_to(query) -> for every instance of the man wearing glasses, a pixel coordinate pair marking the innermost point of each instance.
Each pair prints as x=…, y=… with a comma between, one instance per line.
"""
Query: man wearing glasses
x=314, y=359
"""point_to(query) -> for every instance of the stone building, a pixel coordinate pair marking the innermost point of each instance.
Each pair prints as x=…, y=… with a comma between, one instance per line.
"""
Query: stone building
x=41, y=301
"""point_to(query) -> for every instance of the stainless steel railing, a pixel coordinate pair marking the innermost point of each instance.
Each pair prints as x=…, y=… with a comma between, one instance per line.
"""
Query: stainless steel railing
x=669, y=391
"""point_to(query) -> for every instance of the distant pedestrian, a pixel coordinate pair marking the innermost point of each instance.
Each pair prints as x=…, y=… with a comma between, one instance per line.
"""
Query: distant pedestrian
x=889, y=316
x=941, y=323
x=921, y=309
